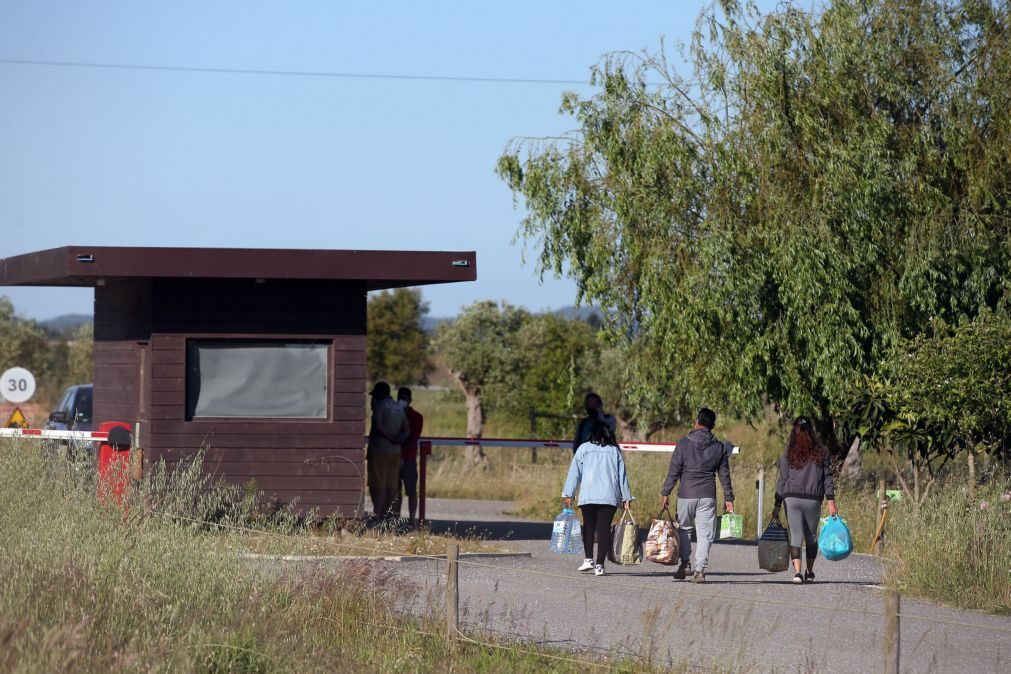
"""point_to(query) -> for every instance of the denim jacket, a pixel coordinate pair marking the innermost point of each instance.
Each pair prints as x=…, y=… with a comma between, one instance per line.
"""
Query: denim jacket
x=599, y=473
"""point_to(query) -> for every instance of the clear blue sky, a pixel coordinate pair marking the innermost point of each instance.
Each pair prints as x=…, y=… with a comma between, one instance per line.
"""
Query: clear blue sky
x=118, y=157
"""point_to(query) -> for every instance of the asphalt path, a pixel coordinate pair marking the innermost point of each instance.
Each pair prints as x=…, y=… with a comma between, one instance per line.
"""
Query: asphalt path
x=742, y=618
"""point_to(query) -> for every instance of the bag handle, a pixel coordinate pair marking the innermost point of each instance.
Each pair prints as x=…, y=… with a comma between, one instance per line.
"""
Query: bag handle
x=665, y=509
x=627, y=515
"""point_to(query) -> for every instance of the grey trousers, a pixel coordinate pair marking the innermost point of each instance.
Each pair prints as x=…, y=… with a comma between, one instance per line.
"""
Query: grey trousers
x=802, y=515
x=698, y=514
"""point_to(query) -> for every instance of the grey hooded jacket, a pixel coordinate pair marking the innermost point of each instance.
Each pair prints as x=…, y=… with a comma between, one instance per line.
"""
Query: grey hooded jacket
x=813, y=480
x=696, y=461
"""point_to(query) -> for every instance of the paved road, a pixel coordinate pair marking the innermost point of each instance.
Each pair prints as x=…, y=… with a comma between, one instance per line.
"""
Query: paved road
x=738, y=620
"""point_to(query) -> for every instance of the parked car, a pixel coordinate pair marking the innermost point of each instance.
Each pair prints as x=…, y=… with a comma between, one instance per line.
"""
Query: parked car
x=73, y=413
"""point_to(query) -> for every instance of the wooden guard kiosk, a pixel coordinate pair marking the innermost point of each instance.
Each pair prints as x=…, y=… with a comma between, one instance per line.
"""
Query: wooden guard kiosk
x=256, y=355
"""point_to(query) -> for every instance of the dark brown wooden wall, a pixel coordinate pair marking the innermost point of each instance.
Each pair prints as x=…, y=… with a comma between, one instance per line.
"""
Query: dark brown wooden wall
x=318, y=462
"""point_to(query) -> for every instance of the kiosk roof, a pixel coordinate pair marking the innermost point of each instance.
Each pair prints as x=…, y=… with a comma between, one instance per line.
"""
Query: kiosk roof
x=92, y=265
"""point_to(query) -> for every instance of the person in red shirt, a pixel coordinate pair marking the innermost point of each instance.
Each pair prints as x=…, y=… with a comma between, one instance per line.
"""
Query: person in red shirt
x=409, y=457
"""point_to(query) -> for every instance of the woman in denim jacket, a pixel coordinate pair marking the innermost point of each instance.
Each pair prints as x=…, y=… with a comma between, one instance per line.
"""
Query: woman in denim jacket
x=598, y=470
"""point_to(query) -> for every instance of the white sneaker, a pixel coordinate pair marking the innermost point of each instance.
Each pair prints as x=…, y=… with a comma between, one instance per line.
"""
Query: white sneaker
x=587, y=565
x=598, y=570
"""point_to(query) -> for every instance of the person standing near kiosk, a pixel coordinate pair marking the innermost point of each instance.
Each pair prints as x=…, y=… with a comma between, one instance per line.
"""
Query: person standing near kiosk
x=409, y=458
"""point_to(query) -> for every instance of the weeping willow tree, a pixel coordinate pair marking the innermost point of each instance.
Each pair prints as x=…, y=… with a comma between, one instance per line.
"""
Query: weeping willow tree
x=816, y=187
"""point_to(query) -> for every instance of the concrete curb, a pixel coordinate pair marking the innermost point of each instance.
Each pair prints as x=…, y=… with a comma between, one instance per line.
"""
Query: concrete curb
x=393, y=558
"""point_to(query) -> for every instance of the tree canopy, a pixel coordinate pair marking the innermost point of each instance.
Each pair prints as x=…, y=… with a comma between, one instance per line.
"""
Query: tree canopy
x=397, y=349
x=506, y=358
x=821, y=186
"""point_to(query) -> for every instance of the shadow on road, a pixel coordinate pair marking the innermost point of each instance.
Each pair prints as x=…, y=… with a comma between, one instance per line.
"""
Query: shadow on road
x=494, y=531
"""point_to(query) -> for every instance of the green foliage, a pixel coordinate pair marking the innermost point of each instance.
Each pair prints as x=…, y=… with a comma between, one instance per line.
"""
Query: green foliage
x=515, y=361
x=22, y=343
x=55, y=363
x=397, y=348
x=822, y=187
x=80, y=364
x=554, y=360
x=961, y=379
x=479, y=347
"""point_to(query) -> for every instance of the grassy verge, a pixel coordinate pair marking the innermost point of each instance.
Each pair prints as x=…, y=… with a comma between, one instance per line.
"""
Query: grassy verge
x=87, y=588
x=957, y=548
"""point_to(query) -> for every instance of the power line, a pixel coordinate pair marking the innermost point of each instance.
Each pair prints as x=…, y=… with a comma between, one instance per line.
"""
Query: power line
x=289, y=73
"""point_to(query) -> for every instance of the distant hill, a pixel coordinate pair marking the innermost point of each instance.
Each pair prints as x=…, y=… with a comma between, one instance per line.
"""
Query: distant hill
x=591, y=315
x=65, y=325
x=430, y=324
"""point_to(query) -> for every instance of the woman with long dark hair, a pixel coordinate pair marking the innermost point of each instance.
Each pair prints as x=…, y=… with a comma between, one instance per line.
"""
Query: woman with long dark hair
x=805, y=480
x=598, y=470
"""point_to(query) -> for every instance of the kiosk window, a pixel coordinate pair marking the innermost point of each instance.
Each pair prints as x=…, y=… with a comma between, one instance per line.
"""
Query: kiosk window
x=245, y=378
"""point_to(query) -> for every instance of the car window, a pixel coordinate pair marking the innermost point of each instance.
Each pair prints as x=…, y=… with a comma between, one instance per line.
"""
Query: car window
x=65, y=402
x=83, y=413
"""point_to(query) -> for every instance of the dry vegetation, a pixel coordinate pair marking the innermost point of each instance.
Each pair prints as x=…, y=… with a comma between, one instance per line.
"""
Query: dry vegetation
x=89, y=588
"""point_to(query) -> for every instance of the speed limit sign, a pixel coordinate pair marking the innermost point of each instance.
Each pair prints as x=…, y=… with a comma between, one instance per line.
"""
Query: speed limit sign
x=17, y=385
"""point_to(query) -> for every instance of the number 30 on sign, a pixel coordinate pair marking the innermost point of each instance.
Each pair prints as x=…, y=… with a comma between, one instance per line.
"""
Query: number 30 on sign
x=17, y=385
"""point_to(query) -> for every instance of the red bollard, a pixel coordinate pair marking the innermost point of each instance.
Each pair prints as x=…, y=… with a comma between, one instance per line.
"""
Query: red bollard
x=114, y=461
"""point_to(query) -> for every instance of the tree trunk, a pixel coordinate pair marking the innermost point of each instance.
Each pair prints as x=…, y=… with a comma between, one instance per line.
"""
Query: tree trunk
x=475, y=425
x=853, y=466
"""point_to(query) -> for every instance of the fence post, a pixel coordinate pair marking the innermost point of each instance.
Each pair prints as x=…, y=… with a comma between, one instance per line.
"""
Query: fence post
x=452, y=593
x=892, y=633
x=882, y=505
x=760, y=484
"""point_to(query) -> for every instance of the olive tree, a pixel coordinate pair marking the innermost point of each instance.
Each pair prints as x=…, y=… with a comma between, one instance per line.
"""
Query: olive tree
x=479, y=349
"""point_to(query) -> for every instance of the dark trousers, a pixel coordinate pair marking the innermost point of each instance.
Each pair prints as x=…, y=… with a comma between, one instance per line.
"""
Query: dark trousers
x=597, y=522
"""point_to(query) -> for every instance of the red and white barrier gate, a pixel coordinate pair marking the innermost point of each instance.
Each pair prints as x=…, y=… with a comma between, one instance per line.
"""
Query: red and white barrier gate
x=47, y=434
x=426, y=445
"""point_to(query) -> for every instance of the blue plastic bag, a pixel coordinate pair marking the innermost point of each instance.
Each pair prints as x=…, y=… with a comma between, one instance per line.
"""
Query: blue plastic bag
x=835, y=541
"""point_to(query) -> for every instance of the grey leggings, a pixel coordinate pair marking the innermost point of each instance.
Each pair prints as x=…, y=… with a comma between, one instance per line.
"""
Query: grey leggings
x=802, y=514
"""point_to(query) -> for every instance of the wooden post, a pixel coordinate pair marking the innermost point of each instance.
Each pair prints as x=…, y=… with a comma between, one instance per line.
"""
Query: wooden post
x=892, y=633
x=882, y=504
x=452, y=593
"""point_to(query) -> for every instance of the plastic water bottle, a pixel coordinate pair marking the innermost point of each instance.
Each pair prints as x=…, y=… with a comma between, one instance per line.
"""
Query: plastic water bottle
x=566, y=533
x=574, y=544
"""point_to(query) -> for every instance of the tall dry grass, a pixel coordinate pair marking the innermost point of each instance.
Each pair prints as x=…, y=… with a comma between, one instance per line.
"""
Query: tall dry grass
x=957, y=547
x=87, y=587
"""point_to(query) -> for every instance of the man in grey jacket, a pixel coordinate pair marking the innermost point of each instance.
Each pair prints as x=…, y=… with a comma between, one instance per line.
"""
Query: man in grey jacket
x=699, y=456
